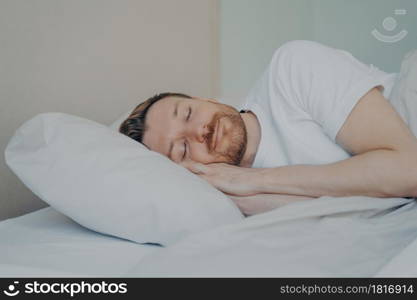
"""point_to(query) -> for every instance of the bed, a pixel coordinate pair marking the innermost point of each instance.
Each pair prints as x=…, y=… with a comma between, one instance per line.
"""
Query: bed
x=327, y=237
x=46, y=243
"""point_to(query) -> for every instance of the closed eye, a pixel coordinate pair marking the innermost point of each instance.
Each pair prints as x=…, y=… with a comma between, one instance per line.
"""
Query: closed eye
x=189, y=114
x=185, y=151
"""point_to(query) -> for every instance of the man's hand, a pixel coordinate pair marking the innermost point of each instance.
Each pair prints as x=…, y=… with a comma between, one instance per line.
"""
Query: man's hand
x=239, y=184
x=229, y=179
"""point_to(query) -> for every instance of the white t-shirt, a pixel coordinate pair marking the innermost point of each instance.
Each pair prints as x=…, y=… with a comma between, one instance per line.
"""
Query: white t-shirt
x=303, y=99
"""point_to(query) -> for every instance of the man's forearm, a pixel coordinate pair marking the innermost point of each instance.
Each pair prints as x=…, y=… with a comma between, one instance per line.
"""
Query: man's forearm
x=378, y=173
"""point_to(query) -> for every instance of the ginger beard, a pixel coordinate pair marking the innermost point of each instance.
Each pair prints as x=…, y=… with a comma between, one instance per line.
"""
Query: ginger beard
x=234, y=131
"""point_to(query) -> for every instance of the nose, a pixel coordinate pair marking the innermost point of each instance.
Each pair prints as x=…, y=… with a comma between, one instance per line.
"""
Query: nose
x=199, y=132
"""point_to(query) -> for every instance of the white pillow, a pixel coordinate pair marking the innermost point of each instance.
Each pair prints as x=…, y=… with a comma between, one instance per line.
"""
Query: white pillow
x=112, y=184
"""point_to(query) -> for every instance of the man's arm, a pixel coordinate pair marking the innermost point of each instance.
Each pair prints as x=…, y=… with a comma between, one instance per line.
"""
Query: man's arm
x=377, y=173
x=384, y=161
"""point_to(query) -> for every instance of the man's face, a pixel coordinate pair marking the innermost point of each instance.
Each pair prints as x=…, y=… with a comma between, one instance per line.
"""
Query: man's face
x=202, y=130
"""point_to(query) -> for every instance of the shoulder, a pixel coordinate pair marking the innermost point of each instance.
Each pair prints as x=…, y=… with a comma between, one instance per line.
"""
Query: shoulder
x=295, y=60
x=299, y=46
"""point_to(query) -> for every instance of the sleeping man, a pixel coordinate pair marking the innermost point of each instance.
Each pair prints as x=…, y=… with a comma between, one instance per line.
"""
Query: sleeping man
x=317, y=123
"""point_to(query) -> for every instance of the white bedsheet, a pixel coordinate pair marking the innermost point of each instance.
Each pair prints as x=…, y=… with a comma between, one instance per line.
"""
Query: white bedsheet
x=46, y=243
x=402, y=265
x=325, y=237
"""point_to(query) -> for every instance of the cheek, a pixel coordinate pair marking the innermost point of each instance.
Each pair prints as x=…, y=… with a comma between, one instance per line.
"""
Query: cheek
x=199, y=154
x=205, y=114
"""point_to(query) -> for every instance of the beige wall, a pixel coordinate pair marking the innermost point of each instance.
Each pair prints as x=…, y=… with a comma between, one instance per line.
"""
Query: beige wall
x=97, y=59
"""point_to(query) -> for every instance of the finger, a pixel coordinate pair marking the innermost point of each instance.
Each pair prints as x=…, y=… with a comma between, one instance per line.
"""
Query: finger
x=194, y=167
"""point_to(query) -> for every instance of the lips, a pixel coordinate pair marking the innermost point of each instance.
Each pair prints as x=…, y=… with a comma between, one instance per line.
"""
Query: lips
x=219, y=135
x=215, y=136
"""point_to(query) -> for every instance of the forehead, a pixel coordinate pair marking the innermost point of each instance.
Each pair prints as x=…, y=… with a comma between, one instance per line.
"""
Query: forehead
x=160, y=106
x=157, y=123
x=157, y=118
x=162, y=109
x=165, y=108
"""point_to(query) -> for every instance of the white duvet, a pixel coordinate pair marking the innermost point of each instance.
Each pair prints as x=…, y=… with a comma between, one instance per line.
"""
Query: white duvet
x=325, y=237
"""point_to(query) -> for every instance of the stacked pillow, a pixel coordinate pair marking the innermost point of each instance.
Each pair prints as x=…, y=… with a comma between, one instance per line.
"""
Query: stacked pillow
x=112, y=184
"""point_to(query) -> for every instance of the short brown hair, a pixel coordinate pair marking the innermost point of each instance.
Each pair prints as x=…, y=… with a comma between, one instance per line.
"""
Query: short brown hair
x=134, y=125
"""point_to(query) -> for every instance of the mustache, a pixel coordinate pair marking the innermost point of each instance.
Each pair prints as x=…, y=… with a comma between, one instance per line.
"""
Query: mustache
x=211, y=127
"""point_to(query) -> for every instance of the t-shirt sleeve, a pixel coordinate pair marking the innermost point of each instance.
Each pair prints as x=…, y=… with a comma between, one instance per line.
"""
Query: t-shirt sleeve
x=324, y=82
